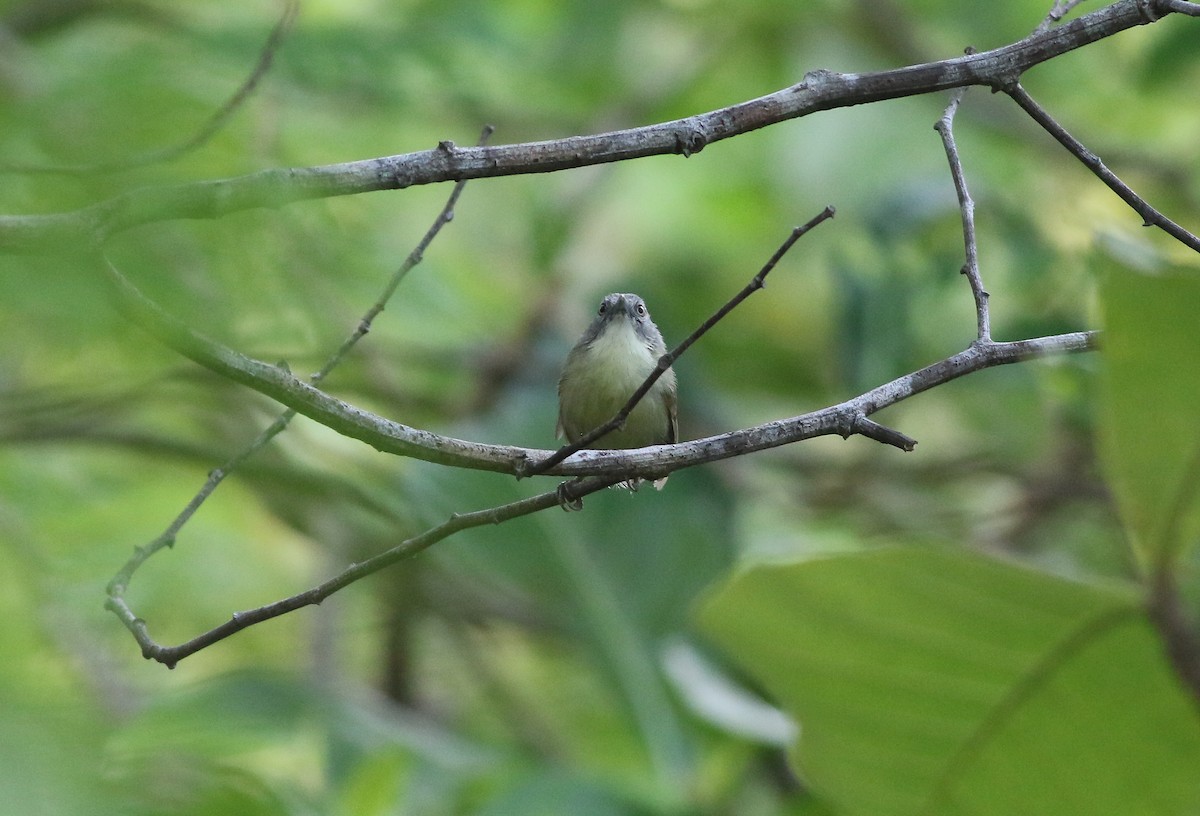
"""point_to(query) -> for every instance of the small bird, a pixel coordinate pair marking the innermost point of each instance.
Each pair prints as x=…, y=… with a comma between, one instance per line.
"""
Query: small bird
x=613, y=357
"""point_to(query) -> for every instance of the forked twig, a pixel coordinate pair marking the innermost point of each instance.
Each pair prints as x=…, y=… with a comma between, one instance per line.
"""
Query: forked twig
x=945, y=128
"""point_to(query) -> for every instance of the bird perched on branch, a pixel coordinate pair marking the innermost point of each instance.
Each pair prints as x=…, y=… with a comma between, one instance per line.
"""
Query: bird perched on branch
x=612, y=359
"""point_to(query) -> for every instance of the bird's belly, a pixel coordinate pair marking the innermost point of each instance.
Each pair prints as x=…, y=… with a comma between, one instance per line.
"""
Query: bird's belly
x=613, y=370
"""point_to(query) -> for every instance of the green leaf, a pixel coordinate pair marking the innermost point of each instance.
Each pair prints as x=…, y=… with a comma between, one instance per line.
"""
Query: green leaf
x=1151, y=406
x=937, y=682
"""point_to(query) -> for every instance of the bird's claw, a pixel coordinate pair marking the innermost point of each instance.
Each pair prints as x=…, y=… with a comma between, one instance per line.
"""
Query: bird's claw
x=566, y=502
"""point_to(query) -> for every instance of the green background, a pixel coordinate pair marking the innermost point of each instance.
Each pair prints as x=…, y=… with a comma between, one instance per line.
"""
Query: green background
x=834, y=628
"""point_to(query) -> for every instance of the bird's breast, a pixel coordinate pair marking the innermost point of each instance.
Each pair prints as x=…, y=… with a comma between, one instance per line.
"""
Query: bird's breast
x=618, y=359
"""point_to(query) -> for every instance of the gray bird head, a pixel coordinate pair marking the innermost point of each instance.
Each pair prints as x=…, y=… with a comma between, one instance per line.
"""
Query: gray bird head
x=625, y=307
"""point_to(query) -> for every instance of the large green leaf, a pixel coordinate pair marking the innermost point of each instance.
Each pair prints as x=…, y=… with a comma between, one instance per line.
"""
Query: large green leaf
x=927, y=681
x=1151, y=417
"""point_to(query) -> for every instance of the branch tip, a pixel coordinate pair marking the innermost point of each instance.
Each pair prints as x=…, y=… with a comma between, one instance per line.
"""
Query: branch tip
x=862, y=425
x=1139, y=205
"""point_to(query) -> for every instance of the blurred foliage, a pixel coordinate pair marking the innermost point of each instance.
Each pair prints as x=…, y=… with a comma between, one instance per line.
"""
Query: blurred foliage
x=1152, y=407
x=891, y=604
x=940, y=682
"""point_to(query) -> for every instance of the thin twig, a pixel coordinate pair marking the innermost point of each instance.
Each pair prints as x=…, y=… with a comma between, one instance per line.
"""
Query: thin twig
x=415, y=257
x=120, y=581
x=1056, y=14
x=945, y=127
x=1150, y=216
x=668, y=359
x=207, y=131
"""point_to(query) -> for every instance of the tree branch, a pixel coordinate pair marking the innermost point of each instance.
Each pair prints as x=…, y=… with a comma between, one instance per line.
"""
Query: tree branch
x=1000, y=68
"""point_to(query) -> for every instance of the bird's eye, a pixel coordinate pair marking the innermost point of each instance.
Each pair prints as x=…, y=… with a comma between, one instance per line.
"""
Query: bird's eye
x=641, y=309
x=603, y=306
